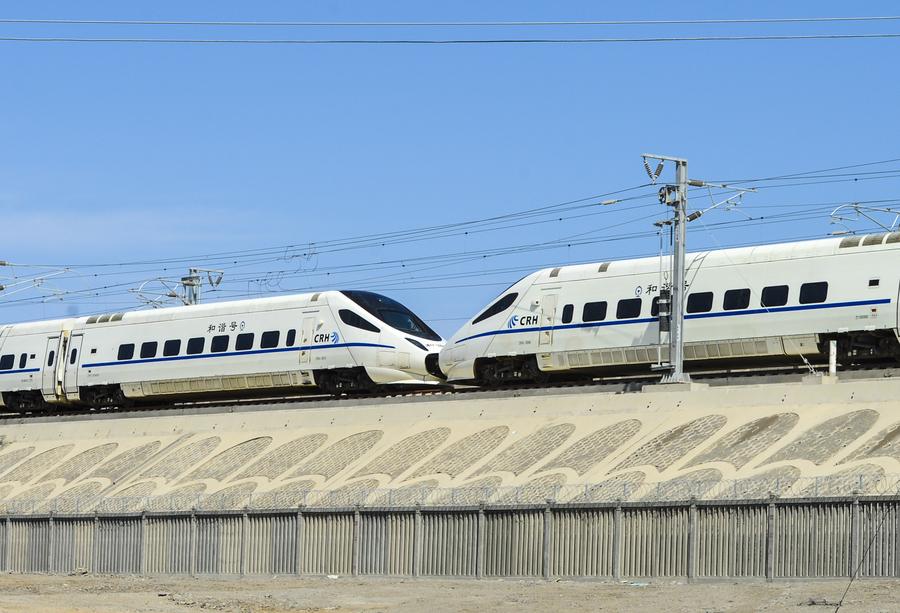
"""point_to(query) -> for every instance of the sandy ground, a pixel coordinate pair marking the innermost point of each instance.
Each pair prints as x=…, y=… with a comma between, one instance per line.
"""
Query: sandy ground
x=83, y=594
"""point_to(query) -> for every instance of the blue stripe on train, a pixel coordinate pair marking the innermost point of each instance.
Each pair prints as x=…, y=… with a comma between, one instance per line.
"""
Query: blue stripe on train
x=647, y=320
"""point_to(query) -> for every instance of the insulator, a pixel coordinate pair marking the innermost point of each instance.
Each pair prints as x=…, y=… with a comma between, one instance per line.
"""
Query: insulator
x=649, y=172
x=659, y=169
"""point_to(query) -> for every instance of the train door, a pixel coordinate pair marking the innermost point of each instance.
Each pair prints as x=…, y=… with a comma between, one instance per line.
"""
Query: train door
x=50, y=379
x=548, y=319
x=306, y=339
x=73, y=360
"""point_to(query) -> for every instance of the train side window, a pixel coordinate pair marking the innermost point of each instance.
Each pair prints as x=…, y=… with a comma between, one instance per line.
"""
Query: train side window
x=219, y=344
x=172, y=347
x=23, y=360
x=244, y=342
x=654, y=307
x=700, y=302
x=594, y=311
x=812, y=293
x=195, y=345
x=269, y=339
x=148, y=349
x=567, y=313
x=126, y=352
x=50, y=357
x=774, y=296
x=352, y=319
x=628, y=308
x=73, y=357
x=736, y=299
x=496, y=308
x=7, y=361
x=291, y=338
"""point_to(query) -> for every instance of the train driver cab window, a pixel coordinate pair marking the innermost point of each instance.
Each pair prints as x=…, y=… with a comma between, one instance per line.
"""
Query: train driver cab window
x=148, y=349
x=628, y=308
x=700, y=302
x=7, y=361
x=219, y=344
x=497, y=308
x=126, y=352
x=23, y=360
x=269, y=339
x=567, y=313
x=774, y=296
x=172, y=347
x=813, y=293
x=195, y=345
x=352, y=319
x=594, y=311
x=736, y=299
x=244, y=342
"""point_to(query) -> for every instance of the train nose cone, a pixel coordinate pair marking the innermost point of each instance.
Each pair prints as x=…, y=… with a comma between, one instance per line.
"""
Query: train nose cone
x=433, y=367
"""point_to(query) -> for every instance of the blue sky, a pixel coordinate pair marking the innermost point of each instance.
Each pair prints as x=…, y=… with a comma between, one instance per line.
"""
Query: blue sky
x=117, y=153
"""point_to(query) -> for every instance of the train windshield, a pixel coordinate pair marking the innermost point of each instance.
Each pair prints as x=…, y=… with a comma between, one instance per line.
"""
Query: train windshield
x=393, y=314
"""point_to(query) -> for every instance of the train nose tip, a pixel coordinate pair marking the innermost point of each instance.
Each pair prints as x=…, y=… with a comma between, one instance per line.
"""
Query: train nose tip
x=433, y=367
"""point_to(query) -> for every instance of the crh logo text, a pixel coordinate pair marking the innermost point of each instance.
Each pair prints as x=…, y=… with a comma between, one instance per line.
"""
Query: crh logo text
x=327, y=337
x=525, y=320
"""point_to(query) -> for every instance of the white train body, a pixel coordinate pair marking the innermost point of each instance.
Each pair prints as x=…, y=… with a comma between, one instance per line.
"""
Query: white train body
x=333, y=340
x=764, y=303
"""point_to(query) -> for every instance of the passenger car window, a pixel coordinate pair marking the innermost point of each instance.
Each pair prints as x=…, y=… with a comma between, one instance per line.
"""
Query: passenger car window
x=73, y=356
x=172, y=347
x=352, y=319
x=497, y=308
x=700, y=302
x=736, y=299
x=50, y=357
x=629, y=308
x=7, y=361
x=244, y=342
x=812, y=293
x=23, y=360
x=594, y=311
x=774, y=296
x=148, y=350
x=269, y=339
x=219, y=344
x=126, y=352
x=195, y=345
x=567, y=313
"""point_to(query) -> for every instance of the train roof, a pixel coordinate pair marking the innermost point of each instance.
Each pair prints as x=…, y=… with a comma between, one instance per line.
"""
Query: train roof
x=738, y=255
x=169, y=313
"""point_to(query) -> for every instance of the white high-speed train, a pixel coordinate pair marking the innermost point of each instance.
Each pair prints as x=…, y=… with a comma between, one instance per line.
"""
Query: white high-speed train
x=334, y=341
x=768, y=304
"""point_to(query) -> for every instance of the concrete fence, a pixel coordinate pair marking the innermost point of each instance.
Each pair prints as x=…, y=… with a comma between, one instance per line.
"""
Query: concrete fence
x=764, y=539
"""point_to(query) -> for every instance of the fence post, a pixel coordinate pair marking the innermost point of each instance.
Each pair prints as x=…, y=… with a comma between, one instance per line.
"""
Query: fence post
x=770, y=539
x=855, y=536
x=245, y=539
x=192, y=552
x=479, y=543
x=298, y=536
x=7, y=563
x=142, y=564
x=354, y=552
x=417, y=542
x=52, y=544
x=95, y=543
x=548, y=531
x=692, y=541
x=617, y=555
